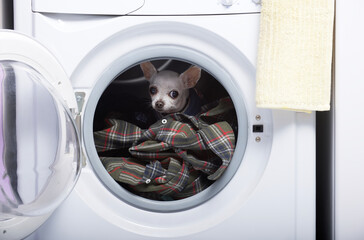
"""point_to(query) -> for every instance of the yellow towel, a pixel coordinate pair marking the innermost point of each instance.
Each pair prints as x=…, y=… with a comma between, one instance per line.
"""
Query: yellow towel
x=295, y=54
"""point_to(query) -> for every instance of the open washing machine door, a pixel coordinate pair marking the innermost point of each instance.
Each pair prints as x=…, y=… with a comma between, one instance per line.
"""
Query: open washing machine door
x=39, y=142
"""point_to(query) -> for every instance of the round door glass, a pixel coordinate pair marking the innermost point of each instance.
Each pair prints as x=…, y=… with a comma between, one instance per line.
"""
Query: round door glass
x=39, y=145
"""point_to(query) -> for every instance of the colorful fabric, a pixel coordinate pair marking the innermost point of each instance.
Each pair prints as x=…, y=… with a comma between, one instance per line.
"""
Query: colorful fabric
x=178, y=156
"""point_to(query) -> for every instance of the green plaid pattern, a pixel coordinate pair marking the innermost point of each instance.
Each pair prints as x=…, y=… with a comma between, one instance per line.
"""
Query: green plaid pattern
x=176, y=157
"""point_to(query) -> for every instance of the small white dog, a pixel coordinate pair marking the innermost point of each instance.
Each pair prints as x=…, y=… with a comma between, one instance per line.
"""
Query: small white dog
x=170, y=91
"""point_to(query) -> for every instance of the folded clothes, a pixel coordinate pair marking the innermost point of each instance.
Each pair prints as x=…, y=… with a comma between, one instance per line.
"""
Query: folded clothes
x=176, y=157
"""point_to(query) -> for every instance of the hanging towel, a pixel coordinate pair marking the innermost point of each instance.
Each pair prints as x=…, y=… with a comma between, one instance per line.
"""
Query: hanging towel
x=295, y=55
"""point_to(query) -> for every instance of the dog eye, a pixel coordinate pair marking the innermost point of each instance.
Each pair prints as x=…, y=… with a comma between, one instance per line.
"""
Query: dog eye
x=153, y=90
x=173, y=94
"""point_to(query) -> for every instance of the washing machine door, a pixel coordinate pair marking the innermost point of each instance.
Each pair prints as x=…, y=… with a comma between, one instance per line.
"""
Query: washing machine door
x=39, y=142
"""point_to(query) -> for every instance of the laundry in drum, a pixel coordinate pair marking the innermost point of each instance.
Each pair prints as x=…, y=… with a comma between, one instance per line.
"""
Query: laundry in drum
x=176, y=157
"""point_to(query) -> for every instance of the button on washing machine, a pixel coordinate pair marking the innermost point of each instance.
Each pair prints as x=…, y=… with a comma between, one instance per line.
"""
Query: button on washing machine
x=227, y=3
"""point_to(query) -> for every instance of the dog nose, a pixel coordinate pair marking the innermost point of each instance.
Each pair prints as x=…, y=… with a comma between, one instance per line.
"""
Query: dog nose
x=159, y=104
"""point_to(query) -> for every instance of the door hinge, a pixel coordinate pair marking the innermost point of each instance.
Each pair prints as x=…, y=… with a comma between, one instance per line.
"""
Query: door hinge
x=80, y=99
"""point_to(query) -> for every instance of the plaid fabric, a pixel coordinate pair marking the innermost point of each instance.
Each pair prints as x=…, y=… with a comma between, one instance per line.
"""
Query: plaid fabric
x=178, y=156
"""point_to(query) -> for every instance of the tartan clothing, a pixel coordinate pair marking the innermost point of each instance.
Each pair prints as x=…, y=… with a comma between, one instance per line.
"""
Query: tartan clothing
x=178, y=156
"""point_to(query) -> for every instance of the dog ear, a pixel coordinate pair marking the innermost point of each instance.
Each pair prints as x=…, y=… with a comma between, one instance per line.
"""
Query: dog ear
x=148, y=70
x=190, y=77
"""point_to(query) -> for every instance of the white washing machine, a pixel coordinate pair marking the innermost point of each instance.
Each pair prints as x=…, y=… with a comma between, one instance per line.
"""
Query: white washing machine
x=68, y=55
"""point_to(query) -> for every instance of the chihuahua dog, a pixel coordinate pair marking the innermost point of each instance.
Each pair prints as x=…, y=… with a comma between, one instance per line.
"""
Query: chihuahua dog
x=172, y=92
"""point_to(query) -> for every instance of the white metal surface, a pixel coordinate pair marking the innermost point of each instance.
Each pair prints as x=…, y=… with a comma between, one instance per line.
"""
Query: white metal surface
x=105, y=7
x=349, y=150
x=280, y=206
x=146, y=7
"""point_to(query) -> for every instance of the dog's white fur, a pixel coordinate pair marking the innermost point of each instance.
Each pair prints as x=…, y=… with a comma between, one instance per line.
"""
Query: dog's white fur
x=164, y=82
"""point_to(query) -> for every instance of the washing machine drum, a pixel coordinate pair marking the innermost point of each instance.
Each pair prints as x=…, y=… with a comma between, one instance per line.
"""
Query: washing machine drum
x=187, y=152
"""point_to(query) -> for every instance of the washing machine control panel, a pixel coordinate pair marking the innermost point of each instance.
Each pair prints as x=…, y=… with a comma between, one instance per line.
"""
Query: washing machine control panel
x=228, y=3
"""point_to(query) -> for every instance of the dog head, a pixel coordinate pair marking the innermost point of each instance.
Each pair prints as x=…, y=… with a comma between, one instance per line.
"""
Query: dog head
x=169, y=90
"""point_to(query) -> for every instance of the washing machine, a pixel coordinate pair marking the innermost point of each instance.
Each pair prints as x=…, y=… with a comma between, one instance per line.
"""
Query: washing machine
x=71, y=63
